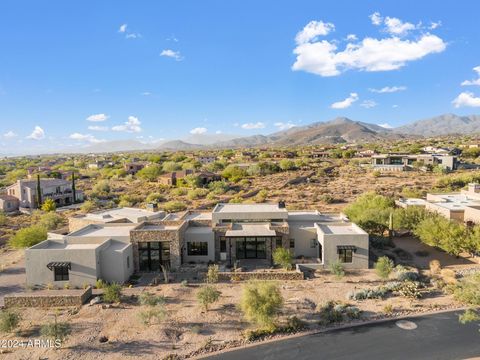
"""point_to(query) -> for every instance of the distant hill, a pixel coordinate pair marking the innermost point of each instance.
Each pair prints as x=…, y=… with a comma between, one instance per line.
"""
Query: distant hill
x=447, y=124
x=176, y=145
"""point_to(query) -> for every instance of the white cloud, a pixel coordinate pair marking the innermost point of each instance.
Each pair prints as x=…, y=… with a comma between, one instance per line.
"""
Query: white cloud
x=386, y=126
x=345, y=103
x=198, y=130
x=395, y=106
x=284, y=126
x=86, y=137
x=352, y=37
x=466, y=99
x=97, y=117
x=98, y=128
x=37, y=134
x=131, y=125
x=376, y=18
x=133, y=36
x=324, y=58
x=10, y=135
x=146, y=93
x=128, y=34
x=388, y=89
x=368, y=104
x=474, y=81
x=250, y=126
x=172, y=54
x=396, y=26
x=434, y=25
x=312, y=30
x=218, y=132
x=123, y=28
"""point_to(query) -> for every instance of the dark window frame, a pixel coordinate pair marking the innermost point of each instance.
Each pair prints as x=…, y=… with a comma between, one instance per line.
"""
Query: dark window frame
x=60, y=273
x=197, y=248
x=345, y=255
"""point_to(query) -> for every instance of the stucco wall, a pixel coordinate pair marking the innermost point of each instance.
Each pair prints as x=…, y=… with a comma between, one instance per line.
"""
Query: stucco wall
x=472, y=214
x=196, y=236
x=456, y=215
x=303, y=236
x=114, y=264
x=329, y=249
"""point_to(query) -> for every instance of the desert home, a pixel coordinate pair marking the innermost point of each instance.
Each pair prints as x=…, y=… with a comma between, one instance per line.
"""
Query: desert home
x=114, y=244
x=463, y=206
x=405, y=162
x=61, y=191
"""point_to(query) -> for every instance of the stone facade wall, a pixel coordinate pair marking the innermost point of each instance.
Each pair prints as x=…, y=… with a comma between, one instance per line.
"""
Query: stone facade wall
x=174, y=236
x=244, y=276
x=52, y=298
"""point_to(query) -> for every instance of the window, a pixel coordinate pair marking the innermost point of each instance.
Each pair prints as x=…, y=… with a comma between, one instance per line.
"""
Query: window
x=313, y=243
x=279, y=242
x=292, y=243
x=128, y=262
x=223, y=244
x=61, y=273
x=197, y=248
x=345, y=255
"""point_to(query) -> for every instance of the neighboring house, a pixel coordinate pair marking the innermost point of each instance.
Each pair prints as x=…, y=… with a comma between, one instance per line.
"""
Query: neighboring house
x=206, y=177
x=230, y=234
x=206, y=159
x=9, y=204
x=99, y=164
x=133, y=168
x=171, y=178
x=57, y=189
x=404, y=162
x=463, y=206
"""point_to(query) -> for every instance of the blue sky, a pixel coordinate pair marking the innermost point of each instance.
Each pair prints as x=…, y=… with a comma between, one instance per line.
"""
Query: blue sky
x=152, y=70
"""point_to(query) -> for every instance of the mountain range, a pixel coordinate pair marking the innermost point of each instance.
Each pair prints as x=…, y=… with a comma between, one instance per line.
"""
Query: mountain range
x=336, y=131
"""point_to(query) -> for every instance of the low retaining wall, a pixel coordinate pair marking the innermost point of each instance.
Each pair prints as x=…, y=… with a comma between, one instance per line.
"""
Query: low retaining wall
x=309, y=267
x=242, y=276
x=49, y=298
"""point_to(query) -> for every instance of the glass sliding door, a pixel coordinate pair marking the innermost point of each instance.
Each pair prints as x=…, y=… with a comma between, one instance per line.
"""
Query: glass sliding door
x=153, y=254
x=250, y=247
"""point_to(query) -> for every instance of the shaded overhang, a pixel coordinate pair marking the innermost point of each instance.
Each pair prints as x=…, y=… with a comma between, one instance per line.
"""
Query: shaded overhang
x=59, y=264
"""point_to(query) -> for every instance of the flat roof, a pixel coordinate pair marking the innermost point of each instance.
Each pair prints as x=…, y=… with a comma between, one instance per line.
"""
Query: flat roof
x=199, y=230
x=147, y=227
x=119, y=213
x=104, y=230
x=349, y=229
x=413, y=201
x=199, y=216
x=250, y=230
x=248, y=208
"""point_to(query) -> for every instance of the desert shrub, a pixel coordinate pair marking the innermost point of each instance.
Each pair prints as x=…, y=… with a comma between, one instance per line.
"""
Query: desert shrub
x=376, y=173
x=56, y=330
x=147, y=298
x=150, y=173
x=448, y=276
x=261, y=196
x=208, y=295
x=381, y=242
x=336, y=268
x=234, y=173
x=327, y=199
x=257, y=334
x=3, y=218
x=154, y=198
x=112, y=293
x=49, y=205
x=169, y=166
x=384, y=267
x=152, y=314
x=9, y=320
x=375, y=293
x=286, y=164
x=294, y=324
x=50, y=220
x=435, y=267
x=100, y=284
x=102, y=188
x=212, y=274
x=218, y=187
x=179, y=191
x=329, y=314
x=196, y=193
x=467, y=290
x=261, y=302
x=28, y=236
x=410, y=289
x=88, y=206
x=408, y=276
x=282, y=257
x=469, y=315
x=352, y=312
x=236, y=200
x=174, y=206
x=388, y=309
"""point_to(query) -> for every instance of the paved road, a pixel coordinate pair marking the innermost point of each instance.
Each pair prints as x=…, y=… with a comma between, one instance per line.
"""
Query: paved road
x=438, y=336
x=12, y=280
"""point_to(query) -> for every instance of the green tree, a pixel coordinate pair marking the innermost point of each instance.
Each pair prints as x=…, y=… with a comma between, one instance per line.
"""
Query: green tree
x=234, y=173
x=28, y=236
x=88, y=206
x=384, y=267
x=155, y=198
x=192, y=181
x=49, y=220
x=286, y=164
x=208, y=295
x=150, y=173
x=261, y=302
x=169, y=166
x=56, y=330
x=283, y=257
x=49, y=205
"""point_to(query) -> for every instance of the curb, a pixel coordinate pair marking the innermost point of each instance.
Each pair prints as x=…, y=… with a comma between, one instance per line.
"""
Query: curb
x=321, y=331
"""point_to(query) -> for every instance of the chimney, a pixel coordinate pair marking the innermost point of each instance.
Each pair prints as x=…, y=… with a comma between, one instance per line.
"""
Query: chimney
x=281, y=204
x=153, y=207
